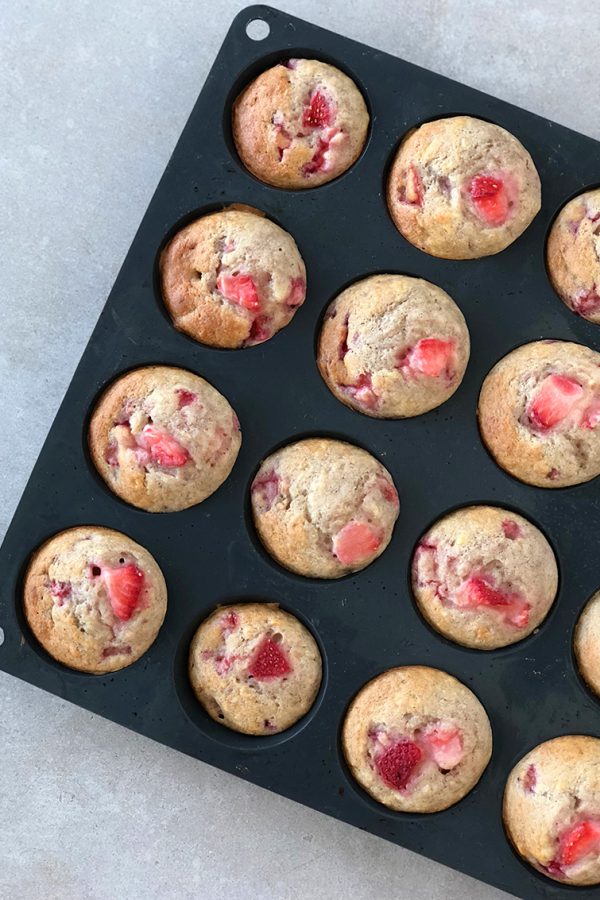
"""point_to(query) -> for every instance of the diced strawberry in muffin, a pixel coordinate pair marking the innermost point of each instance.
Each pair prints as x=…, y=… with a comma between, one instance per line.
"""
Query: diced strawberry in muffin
x=555, y=399
x=490, y=199
x=269, y=661
x=268, y=488
x=530, y=779
x=297, y=292
x=355, y=542
x=362, y=391
x=444, y=742
x=511, y=529
x=318, y=112
x=586, y=303
x=577, y=842
x=479, y=591
x=185, y=397
x=397, y=764
x=162, y=447
x=430, y=356
x=124, y=585
x=591, y=416
x=239, y=288
x=412, y=191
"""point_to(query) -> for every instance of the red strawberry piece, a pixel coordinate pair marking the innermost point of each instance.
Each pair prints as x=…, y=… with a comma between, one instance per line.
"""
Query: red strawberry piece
x=477, y=591
x=591, y=416
x=111, y=454
x=283, y=139
x=553, y=474
x=297, y=292
x=530, y=779
x=235, y=422
x=60, y=589
x=318, y=113
x=430, y=356
x=239, y=289
x=229, y=622
x=577, y=842
x=553, y=868
x=511, y=529
x=356, y=542
x=260, y=331
x=116, y=650
x=318, y=160
x=362, y=391
x=124, y=585
x=162, y=447
x=490, y=199
x=554, y=400
x=573, y=226
x=411, y=191
x=593, y=216
x=224, y=663
x=397, y=765
x=586, y=303
x=267, y=485
x=389, y=491
x=444, y=742
x=185, y=397
x=343, y=345
x=269, y=661
x=291, y=64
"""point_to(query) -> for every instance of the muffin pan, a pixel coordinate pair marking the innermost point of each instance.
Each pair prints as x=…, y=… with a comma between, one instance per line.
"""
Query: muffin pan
x=209, y=553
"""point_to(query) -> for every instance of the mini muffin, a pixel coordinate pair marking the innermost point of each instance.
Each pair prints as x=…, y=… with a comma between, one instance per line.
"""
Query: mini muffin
x=393, y=346
x=539, y=411
x=416, y=739
x=232, y=278
x=300, y=124
x=324, y=508
x=254, y=668
x=484, y=577
x=94, y=599
x=461, y=188
x=163, y=438
x=552, y=809
x=586, y=643
x=573, y=255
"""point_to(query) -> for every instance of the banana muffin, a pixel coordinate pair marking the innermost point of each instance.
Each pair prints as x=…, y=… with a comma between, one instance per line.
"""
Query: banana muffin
x=163, y=438
x=552, y=809
x=232, y=278
x=484, y=577
x=539, y=411
x=300, y=124
x=461, y=188
x=323, y=508
x=416, y=739
x=254, y=668
x=94, y=599
x=586, y=643
x=393, y=346
x=573, y=255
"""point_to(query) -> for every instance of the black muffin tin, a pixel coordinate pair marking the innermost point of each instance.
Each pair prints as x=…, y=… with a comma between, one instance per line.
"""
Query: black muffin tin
x=210, y=554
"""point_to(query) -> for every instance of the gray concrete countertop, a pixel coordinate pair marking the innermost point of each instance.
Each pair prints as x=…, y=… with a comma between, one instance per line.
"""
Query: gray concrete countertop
x=93, y=96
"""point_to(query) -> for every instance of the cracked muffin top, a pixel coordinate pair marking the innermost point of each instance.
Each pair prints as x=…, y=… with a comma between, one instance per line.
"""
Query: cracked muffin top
x=255, y=668
x=573, y=255
x=324, y=508
x=94, y=599
x=232, y=279
x=393, y=346
x=462, y=188
x=552, y=809
x=300, y=124
x=539, y=411
x=163, y=438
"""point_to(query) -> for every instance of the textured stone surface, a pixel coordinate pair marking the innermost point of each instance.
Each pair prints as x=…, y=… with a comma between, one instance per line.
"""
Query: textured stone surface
x=92, y=99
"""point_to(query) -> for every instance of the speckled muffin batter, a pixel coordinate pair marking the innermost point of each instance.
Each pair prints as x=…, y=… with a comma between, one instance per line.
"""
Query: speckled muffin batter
x=586, y=643
x=163, y=438
x=484, y=577
x=539, y=411
x=552, y=809
x=573, y=255
x=393, y=346
x=232, y=278
x=461, y=188
x=94, y=599
x=416, y=739
x=324, y=508
x=254, y=668
x=300, y=124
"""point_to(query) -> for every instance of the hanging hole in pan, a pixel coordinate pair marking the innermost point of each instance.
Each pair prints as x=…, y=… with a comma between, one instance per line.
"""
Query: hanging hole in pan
x=258, y=29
